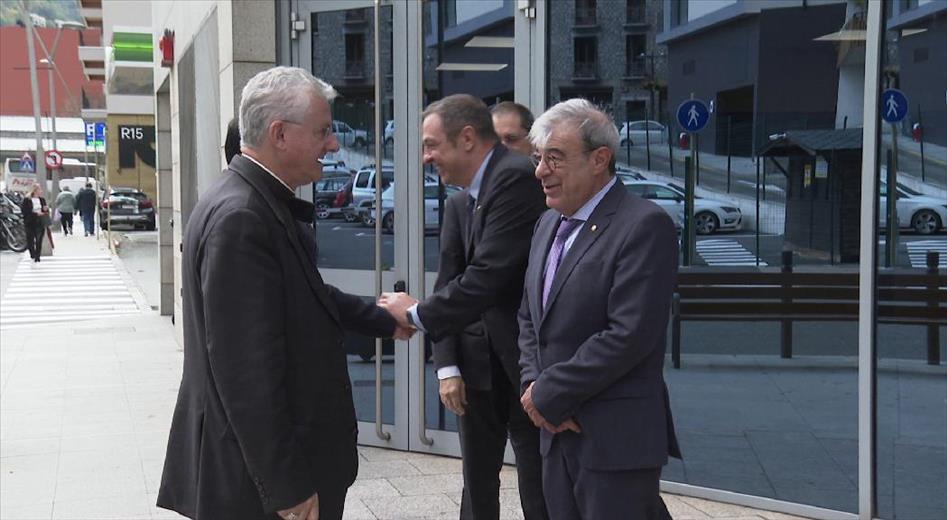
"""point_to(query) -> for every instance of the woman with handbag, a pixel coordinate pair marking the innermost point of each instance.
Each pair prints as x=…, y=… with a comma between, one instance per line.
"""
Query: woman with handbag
x=35, y=220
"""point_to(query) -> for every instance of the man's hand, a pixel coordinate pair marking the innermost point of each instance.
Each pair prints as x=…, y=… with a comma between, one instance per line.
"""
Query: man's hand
x=308, y=510
x=397, y=304
x=403, y=333
x=454, y=394
x=539, y=420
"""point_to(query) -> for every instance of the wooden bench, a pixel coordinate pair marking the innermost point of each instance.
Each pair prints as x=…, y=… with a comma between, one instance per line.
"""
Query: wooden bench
x=908, y=296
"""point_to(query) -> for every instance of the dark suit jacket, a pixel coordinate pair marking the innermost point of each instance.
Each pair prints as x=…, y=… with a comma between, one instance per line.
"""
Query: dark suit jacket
x=264, y=415
x=596, y=352
x=480, y=278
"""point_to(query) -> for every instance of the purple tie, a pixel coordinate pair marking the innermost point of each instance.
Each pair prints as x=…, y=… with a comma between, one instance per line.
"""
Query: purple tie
x=566, y=227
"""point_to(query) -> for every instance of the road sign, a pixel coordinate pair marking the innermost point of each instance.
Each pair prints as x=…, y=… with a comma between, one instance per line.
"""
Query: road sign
x=894, y=105
x=53, y=159
x=94, y=134
x=693, y=115
x=27, y=164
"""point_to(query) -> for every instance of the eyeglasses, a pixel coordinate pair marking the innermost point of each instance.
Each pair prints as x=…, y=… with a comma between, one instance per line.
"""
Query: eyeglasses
x=553, y=161
x=323, y=133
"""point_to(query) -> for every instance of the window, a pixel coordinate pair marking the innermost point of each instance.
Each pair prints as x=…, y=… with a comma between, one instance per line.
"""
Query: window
x=362, y=181
x=636, y=12
x=586, y=57
x=636, y=45
x=585, y=12
x=678, y=12
x=354, y=55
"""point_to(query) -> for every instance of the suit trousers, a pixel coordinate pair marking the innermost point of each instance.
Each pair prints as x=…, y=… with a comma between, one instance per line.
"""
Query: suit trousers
x=577, y=493
x=489, y=416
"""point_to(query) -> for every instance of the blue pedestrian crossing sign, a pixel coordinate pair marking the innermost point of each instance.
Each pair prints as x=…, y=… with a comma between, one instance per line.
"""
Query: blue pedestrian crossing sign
x=27, y=165
x=894, y=105
x=693, y=115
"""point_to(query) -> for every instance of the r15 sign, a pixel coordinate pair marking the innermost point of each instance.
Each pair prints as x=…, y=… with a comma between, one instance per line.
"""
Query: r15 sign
x=135, y=133
x=136, y=141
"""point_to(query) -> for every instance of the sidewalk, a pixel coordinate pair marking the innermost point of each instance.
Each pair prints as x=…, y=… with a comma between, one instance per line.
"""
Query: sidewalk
x=85, y=408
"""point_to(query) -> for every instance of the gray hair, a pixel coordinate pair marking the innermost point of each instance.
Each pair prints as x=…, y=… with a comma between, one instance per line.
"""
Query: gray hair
x=277, y=93
x=595, y=127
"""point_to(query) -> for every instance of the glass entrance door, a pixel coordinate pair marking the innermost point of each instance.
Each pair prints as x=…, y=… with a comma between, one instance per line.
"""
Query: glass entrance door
x=425, y=51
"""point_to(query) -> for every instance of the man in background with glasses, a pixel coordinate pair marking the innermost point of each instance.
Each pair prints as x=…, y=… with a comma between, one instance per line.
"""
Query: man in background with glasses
x=593, y=321
x=472, y=314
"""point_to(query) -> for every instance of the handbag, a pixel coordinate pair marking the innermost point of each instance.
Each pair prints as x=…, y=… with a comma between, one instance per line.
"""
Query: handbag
x=45, y=220
x=57, y=216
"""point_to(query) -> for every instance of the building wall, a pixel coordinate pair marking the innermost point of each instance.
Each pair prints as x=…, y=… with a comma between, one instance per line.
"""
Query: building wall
x=17, y=98
x=924, y=79
x=220, y=45
x=610, y=36
x=142, y=175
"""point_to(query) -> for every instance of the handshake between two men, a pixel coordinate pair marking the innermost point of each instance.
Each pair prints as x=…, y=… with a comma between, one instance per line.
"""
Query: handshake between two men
x=402, y=306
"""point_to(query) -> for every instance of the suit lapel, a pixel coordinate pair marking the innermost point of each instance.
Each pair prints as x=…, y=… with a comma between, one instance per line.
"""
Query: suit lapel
x=544, y=236
x=593, y=228
x=252, y=174
x=475, y=218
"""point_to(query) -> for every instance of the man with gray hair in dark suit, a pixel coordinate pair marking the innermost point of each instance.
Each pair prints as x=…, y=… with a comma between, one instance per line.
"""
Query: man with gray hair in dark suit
x=592, y=322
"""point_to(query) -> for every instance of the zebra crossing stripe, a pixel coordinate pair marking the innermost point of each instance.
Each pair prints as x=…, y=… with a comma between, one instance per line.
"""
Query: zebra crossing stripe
x=917, y=251
x=65, y=289
x=723, y=252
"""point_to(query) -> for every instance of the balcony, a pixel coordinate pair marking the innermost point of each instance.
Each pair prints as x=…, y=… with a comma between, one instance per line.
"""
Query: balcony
x=93, y=61
x=355, y=19
x=355, y=69
x=585, y=16
x=636, y=17
x=636, y=69
x=585, y=71
x=129, y=66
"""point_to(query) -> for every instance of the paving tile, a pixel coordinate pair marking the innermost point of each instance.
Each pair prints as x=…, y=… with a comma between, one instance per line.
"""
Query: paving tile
x=414, y=507
x=431, y=465
x=386, y=469
x=17, y=448
x=428, y=484
x=38, y=510
x=681, y=510
x=28, y=479
x=355, y=509
x=716, y=509
x=131, y=507
x=372, y=488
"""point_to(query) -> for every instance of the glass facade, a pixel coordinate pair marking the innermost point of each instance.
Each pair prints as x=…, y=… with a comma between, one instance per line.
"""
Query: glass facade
x=773, y=362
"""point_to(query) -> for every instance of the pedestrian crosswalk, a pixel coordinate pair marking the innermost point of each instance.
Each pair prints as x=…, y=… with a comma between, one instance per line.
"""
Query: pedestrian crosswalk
x=725, y=251
x=65, y=289
x=917, y=251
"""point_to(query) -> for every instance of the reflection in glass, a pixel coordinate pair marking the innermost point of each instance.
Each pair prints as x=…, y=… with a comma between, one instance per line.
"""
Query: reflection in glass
x=911, y=443
x=468, y=48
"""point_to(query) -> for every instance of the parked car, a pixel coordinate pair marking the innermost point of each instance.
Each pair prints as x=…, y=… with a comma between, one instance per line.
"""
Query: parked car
x=922, y=213
x=431, y=207
x=636, y=131
x=389, y=132
x=347, y=135
x=325, y=191
x=127, y=206
x=709, y=215
x=625, y=173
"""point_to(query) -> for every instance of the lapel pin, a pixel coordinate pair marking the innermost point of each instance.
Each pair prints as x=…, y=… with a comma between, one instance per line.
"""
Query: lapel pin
x=478, y=207
x=594, y=227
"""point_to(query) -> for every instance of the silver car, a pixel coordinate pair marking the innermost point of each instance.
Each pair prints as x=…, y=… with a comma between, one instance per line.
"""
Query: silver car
x=709, y=215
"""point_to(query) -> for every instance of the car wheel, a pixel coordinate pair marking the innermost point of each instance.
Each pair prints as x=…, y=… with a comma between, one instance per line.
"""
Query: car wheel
x=350, y=217
x=705, y=223
x=368, y=220
x=388, y=223
x=359, y=142
x=322, y=210
x=925, y=222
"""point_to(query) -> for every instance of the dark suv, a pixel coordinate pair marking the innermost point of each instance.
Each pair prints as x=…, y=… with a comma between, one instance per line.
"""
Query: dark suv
x=127, y=206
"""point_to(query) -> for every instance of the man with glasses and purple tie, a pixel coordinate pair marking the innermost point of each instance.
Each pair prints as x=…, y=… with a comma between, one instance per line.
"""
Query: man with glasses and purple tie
x=595, y=307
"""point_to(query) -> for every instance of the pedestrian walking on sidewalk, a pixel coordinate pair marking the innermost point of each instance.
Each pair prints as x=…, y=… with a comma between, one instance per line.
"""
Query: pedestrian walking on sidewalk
x=85, y=203
x=265, y=424
x=66, y=206
x=35, y=220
